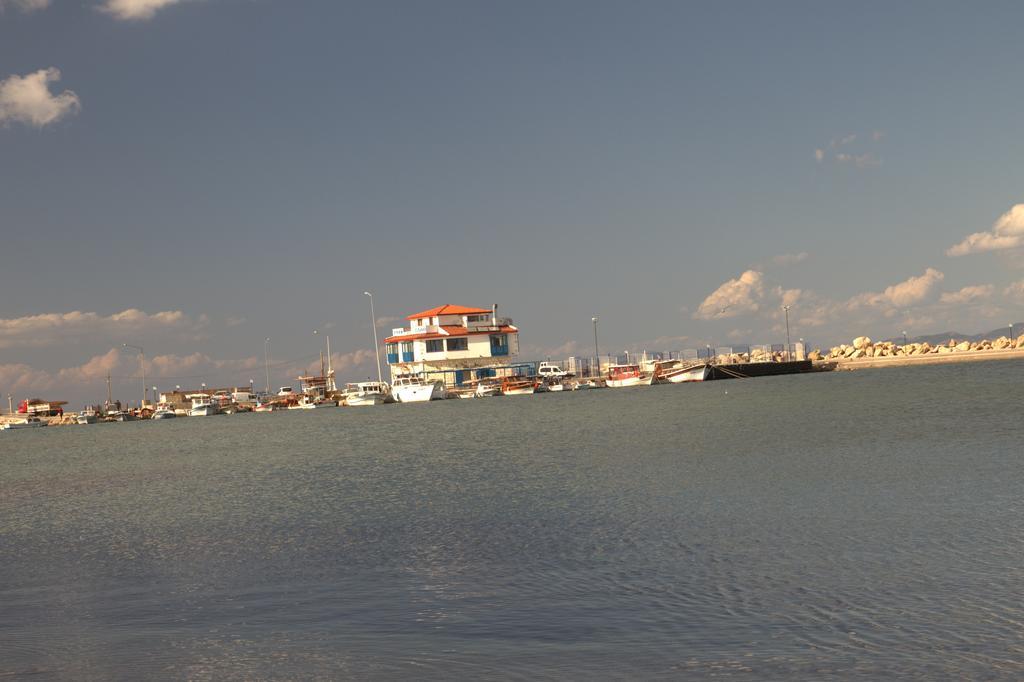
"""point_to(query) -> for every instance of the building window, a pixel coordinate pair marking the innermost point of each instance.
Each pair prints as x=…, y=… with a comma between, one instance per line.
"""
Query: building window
x=407, y=351
x=392, y=349
x=461, y=343
x=499, y=344
x=435, y=345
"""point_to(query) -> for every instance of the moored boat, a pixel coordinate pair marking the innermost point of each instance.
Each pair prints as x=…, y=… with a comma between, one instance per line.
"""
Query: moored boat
x=87, y=416
x=412, y=388
x=684, y=373
x=202, y=406
x=366, y=393
x=164, y=411
x=622, y=376
x=515, y=385
x=25, y=423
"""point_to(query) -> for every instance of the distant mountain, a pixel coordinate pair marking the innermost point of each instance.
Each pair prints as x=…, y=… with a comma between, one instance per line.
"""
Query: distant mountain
x=944, y=337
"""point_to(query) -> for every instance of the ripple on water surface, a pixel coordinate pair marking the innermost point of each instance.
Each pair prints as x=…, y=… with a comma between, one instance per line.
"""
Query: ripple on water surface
x=840, y=525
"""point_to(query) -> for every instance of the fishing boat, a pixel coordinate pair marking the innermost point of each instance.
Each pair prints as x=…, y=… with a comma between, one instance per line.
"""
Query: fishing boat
x=412, y=388
x=487, y=388
x=25, y=423
x=272, y=406
x=310, y=403
x=89, y=415
x=515, y=385
x=120, y=416
x=164, y=411
x=202, y=406
x=684, y=373
x=622, y=376
x=366, y=393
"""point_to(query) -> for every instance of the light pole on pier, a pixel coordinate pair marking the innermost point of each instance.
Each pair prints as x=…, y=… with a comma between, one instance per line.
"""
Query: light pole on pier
x=266, y=361
x=597, y=352
x=904, y=338
x=789, y=352
x=10, y=403
x=376, y=346
x=142, y=364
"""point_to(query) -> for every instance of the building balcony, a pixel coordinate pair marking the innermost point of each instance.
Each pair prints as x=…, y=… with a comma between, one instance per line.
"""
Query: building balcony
x=392, y=358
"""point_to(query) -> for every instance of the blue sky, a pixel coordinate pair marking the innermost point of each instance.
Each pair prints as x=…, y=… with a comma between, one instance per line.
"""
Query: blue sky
x=681, y=170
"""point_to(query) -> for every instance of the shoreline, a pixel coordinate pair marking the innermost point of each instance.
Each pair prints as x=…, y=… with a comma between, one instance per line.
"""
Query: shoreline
x=851, y=364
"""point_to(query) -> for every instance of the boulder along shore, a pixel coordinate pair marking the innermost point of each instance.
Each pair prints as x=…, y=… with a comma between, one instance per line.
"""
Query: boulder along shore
x=862, y=353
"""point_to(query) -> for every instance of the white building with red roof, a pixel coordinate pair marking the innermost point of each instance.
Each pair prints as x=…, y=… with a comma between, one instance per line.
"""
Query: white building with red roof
x=459, y=342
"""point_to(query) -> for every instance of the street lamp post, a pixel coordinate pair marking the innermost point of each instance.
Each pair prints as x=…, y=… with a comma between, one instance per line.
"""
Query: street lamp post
x=904, y=338
x=266, y=361
x=789, y=347
x=597, y=352
x=376, y=346
x=142, y=364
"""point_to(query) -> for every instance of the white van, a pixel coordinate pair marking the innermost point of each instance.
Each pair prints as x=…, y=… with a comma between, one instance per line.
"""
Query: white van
x=550, y=371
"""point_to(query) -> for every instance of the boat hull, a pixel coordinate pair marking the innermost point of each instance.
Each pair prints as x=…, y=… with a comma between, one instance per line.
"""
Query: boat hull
x=630, y=381
x=13, y=426
x=364, y=400
x=208, y=411
x=84, y=419
x=164, y=415
x=685, y=376
x=419, y=393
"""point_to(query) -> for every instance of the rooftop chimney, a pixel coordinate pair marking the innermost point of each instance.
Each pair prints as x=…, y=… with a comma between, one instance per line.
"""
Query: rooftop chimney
x=494, y=315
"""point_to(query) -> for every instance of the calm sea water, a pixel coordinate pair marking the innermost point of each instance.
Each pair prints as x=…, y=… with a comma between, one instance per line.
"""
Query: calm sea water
x=847, y=525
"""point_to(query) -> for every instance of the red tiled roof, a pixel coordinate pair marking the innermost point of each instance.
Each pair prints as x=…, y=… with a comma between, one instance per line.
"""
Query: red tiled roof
x=450, y=331
x=448, y=309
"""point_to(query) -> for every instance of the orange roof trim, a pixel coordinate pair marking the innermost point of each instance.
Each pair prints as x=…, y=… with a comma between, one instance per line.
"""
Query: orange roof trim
x=448, y=309
x=452, y=331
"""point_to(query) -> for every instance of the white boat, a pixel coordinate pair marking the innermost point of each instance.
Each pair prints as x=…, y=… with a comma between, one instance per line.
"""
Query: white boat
x=622, y=376
x=26, y=423
x=87, y=416
x=308, y=403
x=164, y=412
x=557, y=386
x=519, y=385
x=487, y=389
x=411, y=388
x=120, y=416
x=269, y=407
x=366, y=393
x=686, y=373
x=202, y=406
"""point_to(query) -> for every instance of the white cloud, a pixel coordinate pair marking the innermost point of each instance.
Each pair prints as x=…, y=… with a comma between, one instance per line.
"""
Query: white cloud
x=51, y=328
x=853, y=149
x=908, y=292
x=27, y=99
x=24, y=5
x=735, y=297
x=1006, y=233
x=1015, y=290
x=135, y=9
x=858, y=160
x=790, y=258
x=967, y=294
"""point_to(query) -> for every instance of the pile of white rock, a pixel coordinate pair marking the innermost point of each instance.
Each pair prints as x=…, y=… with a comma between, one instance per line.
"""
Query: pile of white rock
x=862, y=347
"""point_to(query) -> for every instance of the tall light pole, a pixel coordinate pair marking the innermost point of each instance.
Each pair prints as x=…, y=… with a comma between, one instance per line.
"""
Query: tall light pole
x=142, y=364
x=376, y=346
x=10, y=403
x=789, y=354
x=597, y=352
x=266, y=361
x=904, y=338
